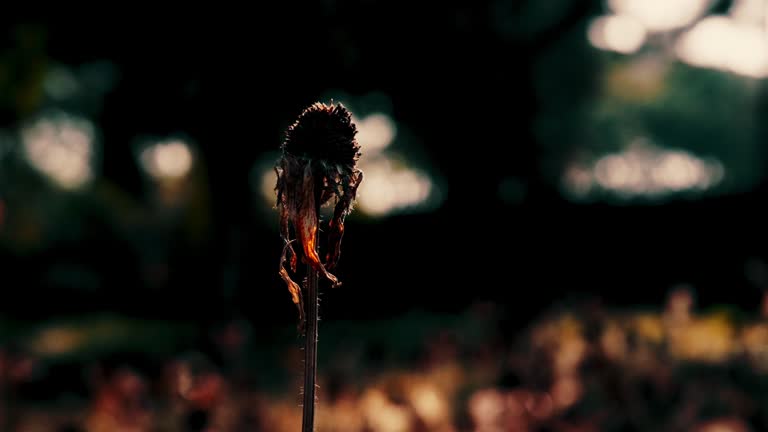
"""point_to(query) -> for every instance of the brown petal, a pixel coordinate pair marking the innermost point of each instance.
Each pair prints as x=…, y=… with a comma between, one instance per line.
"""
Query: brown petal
x=293, y=287
x=306, y=225
x=285, y=233
x=336, y=225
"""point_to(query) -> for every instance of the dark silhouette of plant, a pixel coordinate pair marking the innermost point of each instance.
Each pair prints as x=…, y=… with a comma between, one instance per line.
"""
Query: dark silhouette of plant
x=318, y=164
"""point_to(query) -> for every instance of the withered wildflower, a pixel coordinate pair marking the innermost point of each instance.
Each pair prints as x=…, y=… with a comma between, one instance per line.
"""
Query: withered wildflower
x=318, y=165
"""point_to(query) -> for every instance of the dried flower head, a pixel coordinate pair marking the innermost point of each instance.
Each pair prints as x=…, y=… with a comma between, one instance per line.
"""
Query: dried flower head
x=318, y=164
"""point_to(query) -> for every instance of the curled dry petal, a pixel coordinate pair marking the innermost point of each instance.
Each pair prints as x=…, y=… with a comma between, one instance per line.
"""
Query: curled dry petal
x=293, y=287
x=285, y=233
x=336, y=225
x=306, y=223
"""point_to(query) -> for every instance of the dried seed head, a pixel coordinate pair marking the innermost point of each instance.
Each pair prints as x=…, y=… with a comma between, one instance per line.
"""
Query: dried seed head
x=318, y=163
x=324, y=133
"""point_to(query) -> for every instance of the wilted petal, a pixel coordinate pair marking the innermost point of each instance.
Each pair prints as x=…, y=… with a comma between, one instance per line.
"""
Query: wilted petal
x=336, y=225
x=293, y=287
x=285, y=232
x=306, y=223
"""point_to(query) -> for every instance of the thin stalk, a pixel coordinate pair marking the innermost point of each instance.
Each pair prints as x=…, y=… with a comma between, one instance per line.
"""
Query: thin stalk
x=310, y=350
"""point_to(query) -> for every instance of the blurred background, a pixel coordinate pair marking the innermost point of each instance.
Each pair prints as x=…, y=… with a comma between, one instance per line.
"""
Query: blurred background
x=561, y=227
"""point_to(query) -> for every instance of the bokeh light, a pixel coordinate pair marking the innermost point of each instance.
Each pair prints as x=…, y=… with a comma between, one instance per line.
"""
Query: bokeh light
x=661, y=15
x=721, y=42
x=390, y=186
x=167, y=159
x=724, y=425
x=644, y=169
x=736, y=42
x=383, y=415
x=376, y=132
x=267, y=182
x=61, y=146
x=56, y=341
x=429, y=404
x=620, y=33
x=754, y=12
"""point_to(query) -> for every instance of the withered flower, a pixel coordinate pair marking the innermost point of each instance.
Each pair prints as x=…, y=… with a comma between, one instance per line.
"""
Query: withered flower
x=318, y=164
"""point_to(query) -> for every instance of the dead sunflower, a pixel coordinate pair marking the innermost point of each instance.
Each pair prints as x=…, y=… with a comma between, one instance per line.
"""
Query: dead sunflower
x=318, y=164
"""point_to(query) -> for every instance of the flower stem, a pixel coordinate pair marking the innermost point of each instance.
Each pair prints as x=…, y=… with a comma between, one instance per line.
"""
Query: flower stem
x=310, y=350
